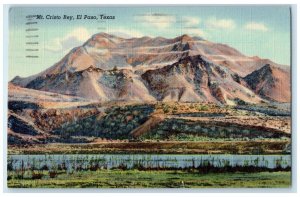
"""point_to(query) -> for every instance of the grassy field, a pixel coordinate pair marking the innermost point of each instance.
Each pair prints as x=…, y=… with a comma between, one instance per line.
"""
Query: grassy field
x=156, y=179
x=170, y=147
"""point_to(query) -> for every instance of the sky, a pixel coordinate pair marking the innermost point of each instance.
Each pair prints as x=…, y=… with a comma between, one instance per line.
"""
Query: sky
x=262, y=31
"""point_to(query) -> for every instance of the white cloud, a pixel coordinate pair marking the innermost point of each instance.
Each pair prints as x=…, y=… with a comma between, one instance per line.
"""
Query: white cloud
x=156, y=20
x=194, y=32
x=126, y=33
x=79, y=35
x=190, y=21
x=213, y=22
x=256, y=26
x=72, y=39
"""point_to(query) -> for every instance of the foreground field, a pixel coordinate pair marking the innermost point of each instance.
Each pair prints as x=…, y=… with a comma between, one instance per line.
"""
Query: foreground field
x=239, y=146
x=157, y=179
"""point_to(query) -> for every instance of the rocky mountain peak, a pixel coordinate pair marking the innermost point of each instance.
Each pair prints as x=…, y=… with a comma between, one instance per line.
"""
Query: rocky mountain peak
x=185, y=38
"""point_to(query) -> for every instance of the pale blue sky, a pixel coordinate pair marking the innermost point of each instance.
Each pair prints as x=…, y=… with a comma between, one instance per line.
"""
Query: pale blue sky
x=254, y=30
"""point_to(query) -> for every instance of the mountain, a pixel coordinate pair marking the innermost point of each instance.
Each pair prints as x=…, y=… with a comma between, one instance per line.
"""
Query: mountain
x=195, y=79
x=271, y=82
x=95, y=84
x=187, y=69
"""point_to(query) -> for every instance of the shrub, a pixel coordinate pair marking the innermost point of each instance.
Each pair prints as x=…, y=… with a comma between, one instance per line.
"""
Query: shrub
x=203, y=108
x=52, y=174
x=37, y=175
x=166, y=109
x=115, y=68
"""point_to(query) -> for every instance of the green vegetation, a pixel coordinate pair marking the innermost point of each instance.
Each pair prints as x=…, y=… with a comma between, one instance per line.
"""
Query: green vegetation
x=202, y=107
x=217, y=130
x=175, y=107
x=183, y=137
x=116, y=123
x=155, y=179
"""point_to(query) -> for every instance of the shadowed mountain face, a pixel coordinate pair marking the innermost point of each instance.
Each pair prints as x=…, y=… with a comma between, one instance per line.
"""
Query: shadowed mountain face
x=195, y=79
x=270, y=82
x=187, y=69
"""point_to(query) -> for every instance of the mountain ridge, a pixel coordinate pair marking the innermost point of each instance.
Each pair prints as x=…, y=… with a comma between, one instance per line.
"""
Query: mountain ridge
x=108, y=67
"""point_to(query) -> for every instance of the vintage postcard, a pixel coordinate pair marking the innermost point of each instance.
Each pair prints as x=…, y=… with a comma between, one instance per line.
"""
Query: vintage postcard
x=149, y=97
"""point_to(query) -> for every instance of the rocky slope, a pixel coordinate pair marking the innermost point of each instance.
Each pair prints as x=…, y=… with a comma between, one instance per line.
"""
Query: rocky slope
x=196, y=79
x=271, y=82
